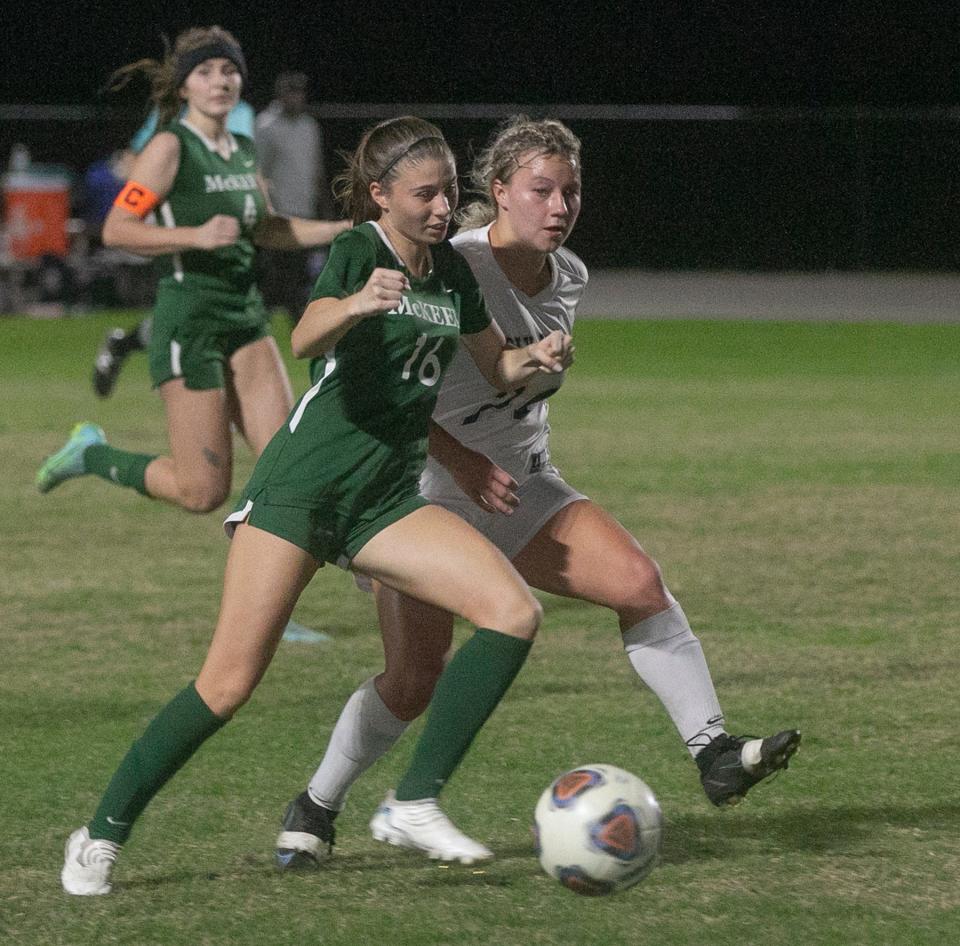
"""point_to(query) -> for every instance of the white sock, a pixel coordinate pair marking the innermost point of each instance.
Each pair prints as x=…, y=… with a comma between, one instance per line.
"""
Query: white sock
x=669, y=659
x=365, y=731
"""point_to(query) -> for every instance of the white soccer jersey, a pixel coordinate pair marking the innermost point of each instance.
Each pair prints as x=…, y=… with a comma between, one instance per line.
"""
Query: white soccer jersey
x=511, y=428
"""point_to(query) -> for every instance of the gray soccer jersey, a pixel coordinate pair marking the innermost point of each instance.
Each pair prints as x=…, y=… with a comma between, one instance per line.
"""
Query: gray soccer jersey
x=511, y=428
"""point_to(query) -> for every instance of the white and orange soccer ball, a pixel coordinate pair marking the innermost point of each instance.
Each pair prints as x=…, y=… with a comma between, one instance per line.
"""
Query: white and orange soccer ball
x=598, y=829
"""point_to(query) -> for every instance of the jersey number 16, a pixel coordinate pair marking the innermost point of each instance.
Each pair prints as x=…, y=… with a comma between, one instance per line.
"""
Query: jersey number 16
x=428, y=372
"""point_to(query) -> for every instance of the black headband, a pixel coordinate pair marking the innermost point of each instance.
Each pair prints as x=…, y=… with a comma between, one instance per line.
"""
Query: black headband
x=405, y=153
x=218, y=49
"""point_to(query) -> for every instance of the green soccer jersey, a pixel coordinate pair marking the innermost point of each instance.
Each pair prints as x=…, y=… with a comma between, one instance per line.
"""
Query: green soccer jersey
x=384, y=374
x=208, y=184
x=356, y=442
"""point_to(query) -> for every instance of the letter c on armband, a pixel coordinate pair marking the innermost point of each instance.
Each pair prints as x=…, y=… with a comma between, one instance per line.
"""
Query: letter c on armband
x=137, y=199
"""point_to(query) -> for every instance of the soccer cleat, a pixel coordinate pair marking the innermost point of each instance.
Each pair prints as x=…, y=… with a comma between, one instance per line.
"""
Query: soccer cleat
x=110, y=358
x=731, y=765
x=423, y=826
x=307, y=828
x=87, y=864
x=304, y=635
x=67, y=462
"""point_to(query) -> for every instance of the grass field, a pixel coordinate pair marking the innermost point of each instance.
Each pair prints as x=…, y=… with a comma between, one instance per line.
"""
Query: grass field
x=799, y=486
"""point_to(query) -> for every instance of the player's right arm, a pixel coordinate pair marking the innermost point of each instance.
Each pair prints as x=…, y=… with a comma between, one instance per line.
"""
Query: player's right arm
x=327, y=319
x=151, y=178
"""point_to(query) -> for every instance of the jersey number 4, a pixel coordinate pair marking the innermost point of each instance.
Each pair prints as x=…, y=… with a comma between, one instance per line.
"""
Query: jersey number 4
x=428, y=372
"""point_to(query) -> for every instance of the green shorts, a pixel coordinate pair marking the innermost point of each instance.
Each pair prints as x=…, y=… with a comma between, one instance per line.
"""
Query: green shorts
x=196, y=330
x=325, y=532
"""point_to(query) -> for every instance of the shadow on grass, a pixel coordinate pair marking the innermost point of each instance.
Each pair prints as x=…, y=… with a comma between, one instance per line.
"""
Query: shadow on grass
x=433, y=873
x=826, y=829
x=721, y=836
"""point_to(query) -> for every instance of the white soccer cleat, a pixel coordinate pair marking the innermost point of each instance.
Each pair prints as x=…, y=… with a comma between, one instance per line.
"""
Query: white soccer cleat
x=87, y=864
x=423, y=826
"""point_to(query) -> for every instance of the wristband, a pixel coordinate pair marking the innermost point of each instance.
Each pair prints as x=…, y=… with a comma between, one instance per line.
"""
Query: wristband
x=137, y=199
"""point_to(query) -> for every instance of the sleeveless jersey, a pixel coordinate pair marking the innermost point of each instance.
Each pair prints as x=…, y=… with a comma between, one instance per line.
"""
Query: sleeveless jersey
x=207, y=184
x=510, y=428
x=359, y=434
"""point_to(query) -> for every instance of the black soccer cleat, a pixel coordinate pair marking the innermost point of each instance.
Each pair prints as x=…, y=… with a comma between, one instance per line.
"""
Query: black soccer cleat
x=307, y=829
x=724, y=776
x=116, y=347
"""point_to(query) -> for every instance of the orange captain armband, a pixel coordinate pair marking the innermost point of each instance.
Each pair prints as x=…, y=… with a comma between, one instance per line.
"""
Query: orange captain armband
x=136, y=198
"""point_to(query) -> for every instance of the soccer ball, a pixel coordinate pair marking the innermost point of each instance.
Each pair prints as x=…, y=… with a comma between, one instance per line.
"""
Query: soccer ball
x=598, y=829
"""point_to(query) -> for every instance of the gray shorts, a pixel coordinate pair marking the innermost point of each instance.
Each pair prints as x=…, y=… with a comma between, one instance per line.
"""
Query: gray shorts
x=541, y=497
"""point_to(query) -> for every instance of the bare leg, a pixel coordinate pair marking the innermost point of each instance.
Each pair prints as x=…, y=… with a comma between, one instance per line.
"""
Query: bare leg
x=583, y=552
x=416, y=639
x=259, y=400
x=198, y=472
x=265, y=576
x=433, y=555
x=260, y=393
x=612, y=570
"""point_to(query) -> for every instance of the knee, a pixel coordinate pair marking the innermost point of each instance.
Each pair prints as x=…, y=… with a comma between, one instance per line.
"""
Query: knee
x=519, y=615
x=407, y=694
x=533, y=617
x=226, y=695
x=203, y=497
x=644, y=592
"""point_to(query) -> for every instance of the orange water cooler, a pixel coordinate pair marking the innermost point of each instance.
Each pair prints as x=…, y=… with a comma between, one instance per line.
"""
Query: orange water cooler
x=36, y=211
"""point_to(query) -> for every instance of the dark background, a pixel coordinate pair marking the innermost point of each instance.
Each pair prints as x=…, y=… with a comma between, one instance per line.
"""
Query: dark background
x=841, y=152
x=697, y=51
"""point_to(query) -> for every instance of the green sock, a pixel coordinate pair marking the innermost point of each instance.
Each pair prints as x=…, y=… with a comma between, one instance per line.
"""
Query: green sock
x=467, y=692
x=174, y=734
x=118, y=466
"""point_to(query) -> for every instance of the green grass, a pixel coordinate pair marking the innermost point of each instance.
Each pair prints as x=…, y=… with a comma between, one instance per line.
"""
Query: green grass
x=797, y=483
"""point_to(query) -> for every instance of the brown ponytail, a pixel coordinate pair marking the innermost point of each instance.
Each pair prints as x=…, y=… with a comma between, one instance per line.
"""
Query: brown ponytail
x=382, y=151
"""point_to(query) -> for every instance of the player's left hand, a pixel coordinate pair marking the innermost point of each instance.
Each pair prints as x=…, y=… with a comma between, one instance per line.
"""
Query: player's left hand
x=488, y=485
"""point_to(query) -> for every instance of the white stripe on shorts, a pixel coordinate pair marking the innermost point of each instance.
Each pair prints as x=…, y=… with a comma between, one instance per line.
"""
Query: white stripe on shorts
x=175, y=359
x=312, y=393
x=235, y=518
